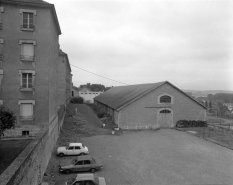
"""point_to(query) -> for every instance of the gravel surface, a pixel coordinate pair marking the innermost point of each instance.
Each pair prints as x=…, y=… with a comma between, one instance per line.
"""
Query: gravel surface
x=163, y=157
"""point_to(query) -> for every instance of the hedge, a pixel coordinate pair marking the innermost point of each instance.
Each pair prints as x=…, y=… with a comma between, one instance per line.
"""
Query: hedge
x=190, y=123
x=77, y=100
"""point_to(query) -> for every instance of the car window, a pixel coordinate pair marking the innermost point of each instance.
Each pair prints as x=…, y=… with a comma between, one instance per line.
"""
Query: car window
x=71, y=148
x=88, y=183
x=77, y=147
x=79, y=163
x=87, y=162
x=79, y=183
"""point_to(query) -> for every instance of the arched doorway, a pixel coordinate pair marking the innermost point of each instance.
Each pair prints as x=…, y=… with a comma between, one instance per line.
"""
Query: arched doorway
x=165, y=118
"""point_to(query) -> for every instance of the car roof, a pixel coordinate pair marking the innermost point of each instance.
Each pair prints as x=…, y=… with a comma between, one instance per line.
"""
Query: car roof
x=84, y=157
x=85, y=176
x=75, y=144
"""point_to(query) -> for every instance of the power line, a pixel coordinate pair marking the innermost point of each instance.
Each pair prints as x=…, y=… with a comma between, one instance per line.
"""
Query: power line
x=98, y=75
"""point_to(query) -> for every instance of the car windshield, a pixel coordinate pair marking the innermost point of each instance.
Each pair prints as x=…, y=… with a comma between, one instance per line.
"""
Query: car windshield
x=93, y=160
x=74, y=161
x=70, y=181
x=83, y=146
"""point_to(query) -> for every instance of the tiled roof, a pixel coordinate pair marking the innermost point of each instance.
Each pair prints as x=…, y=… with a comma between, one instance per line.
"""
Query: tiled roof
x=120, y=96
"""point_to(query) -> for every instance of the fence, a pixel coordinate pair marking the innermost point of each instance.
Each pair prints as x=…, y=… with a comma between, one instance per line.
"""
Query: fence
x=221, y=134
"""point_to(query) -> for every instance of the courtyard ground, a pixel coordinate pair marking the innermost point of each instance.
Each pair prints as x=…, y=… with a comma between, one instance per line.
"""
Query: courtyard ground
x=162, y=157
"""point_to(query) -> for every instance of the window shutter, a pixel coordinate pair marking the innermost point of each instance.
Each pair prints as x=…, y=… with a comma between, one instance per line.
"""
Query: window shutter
x=26, y=110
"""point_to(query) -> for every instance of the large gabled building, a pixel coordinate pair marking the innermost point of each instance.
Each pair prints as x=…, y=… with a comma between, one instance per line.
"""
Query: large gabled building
x=29, y=64
x=155, y=105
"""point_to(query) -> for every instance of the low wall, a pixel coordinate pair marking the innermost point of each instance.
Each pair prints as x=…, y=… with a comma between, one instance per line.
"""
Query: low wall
x=29, y=167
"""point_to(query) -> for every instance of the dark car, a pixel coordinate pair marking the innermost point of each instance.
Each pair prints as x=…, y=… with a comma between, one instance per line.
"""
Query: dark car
x=83, y=179
x=81, y=163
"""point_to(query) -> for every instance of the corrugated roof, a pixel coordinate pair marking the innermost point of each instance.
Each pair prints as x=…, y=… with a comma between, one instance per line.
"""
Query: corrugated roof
x=120, y=96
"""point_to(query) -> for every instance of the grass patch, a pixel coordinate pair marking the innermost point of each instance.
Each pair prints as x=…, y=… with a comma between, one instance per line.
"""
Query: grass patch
x=9, y=150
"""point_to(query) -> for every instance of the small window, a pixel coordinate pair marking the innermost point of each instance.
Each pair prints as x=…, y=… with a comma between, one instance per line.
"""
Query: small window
x=26, y=110
x=1, y=50
x=165, y=99
x=27, y=50
x=87, y=162
x=77, y=148
x=1, y=11
x=79, y=163
x=1, y=77
x=71, y=148
x=25, y=133
x=28, y=19
x=27, y=78
x=88, y=182
x=165, y=111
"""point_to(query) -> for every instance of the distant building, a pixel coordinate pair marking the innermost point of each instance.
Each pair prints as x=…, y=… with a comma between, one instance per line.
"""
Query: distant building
x=88, y=95
x=156, y=105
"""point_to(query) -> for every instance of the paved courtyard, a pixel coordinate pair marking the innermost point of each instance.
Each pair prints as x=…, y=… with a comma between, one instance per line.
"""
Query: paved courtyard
x=163, y=157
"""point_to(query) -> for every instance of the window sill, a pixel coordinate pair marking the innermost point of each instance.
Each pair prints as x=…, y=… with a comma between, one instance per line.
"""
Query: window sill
x=27, y=29
x=27, y=89
x=27, y=60
x=26, y=118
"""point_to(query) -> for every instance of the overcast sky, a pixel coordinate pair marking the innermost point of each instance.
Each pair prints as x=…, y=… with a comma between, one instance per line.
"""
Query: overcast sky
x=188, y=43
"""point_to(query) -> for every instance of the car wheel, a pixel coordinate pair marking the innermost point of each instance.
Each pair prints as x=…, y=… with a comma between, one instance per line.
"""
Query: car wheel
x=92, y=170
x=61, y=155
x=67, y=171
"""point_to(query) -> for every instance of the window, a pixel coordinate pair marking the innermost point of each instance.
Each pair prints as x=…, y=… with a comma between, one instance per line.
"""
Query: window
x=1, y=76
x=28, y=19
x=1, y=11
x=71, y=148
x=165, y=98
x=165, y=111
x=25, y=133
x=26, y=110
x=27, y=78
x=1, y=50
x=87, y=162
x=77, y=148
x=27, y=50
x=79, y=163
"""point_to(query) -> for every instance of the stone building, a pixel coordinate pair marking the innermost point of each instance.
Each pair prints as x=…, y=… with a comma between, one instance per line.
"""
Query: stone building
x=31, y=81
x=155, y=105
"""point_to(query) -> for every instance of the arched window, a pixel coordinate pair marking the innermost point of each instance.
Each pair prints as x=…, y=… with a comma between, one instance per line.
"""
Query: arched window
x=165, y=111
x=165, y=99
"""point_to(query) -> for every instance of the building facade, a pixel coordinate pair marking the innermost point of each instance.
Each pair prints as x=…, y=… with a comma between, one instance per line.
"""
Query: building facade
x=29, y=63
x=64, y=79
x=158, y=105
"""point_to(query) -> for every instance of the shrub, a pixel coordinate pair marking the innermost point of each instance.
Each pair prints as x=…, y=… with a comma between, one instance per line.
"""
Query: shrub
x=7, y=120
x=190, y=123
x=77, y=100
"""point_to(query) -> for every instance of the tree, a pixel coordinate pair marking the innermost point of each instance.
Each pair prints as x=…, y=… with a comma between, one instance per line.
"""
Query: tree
x=7, y=120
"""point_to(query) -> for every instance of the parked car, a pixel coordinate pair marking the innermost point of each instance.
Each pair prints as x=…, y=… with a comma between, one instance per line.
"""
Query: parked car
x=72, y=149
x=83, y=179
x=81, y=163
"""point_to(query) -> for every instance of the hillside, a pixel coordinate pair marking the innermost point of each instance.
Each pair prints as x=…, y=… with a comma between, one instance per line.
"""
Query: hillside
x=196, y=93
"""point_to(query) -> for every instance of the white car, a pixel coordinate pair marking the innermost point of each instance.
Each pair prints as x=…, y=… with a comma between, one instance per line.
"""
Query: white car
x=72, y=149
x=83, y=179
